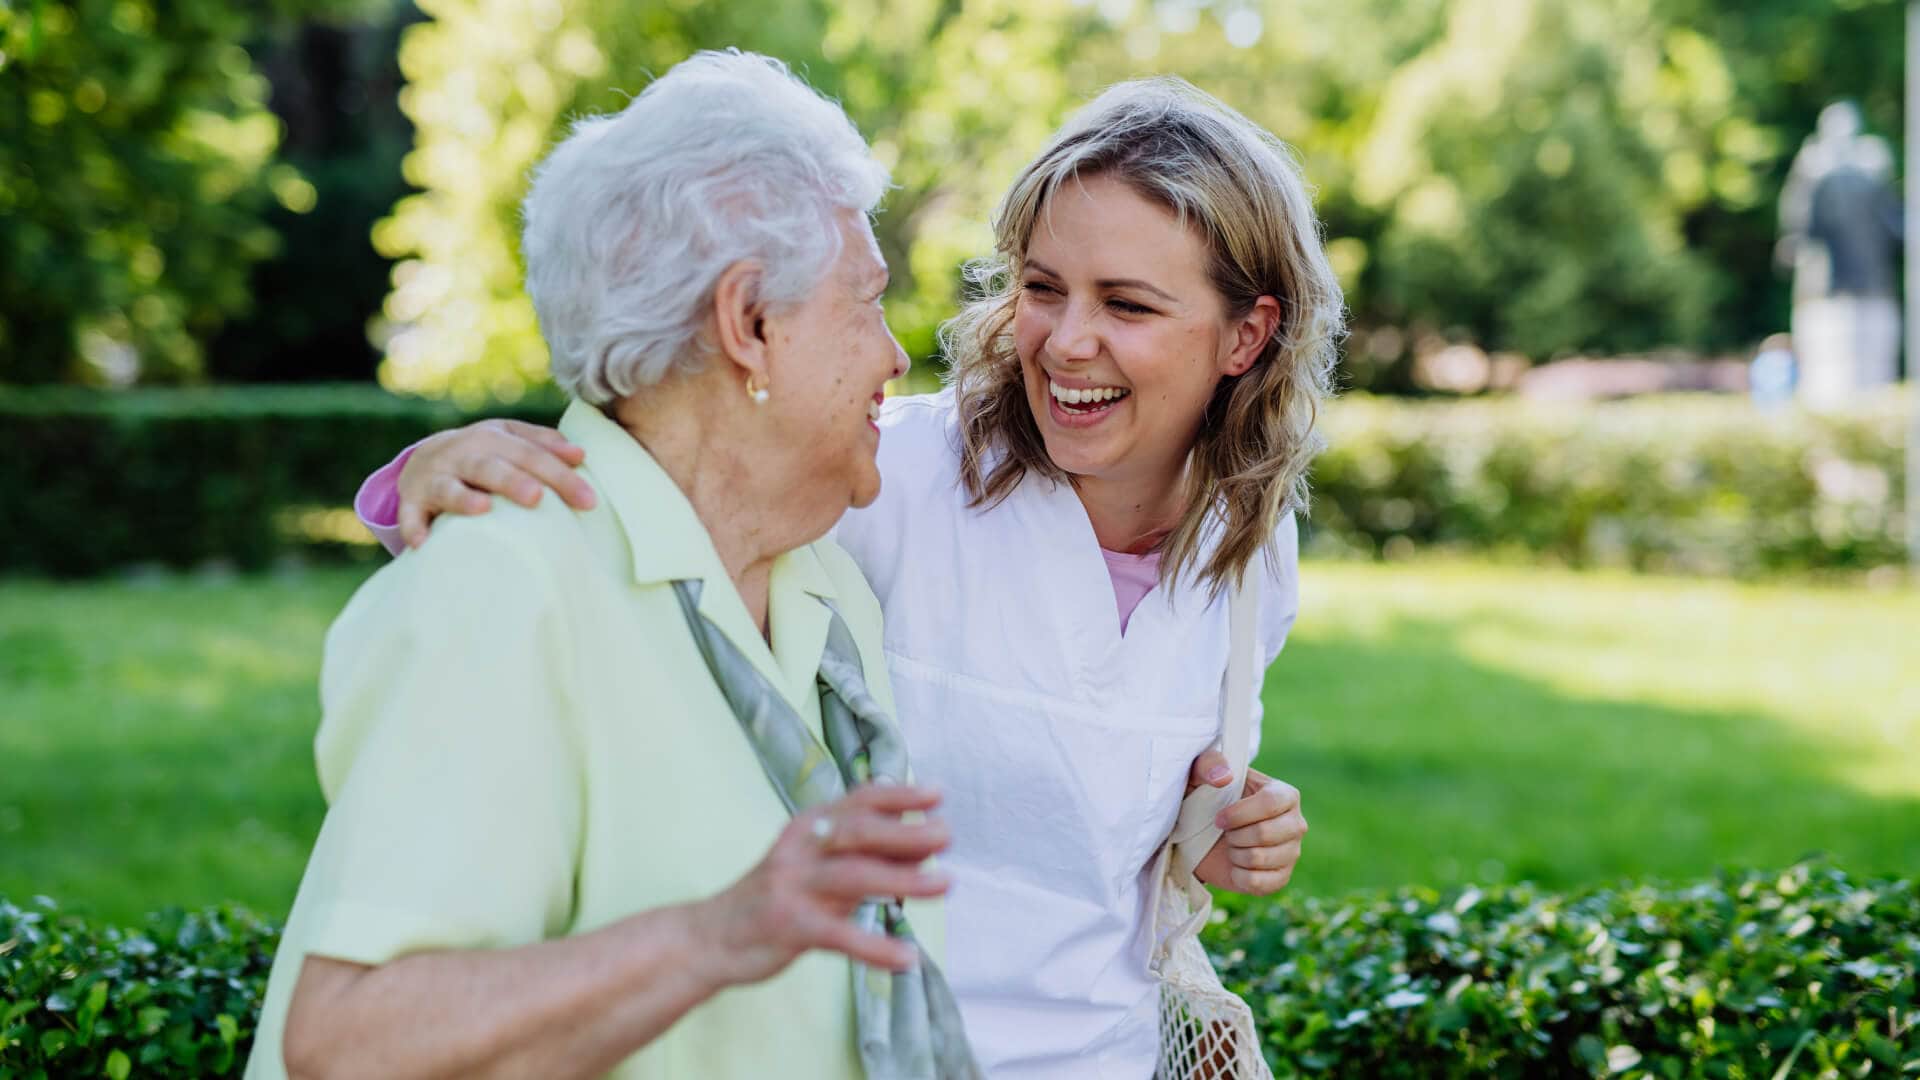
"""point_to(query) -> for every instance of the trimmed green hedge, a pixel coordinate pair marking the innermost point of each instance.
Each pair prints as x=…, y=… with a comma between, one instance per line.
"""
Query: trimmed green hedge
x=90, y=481
x=1760, y=975
x=177, y=997
x=1801, y=972
x=1692, y=483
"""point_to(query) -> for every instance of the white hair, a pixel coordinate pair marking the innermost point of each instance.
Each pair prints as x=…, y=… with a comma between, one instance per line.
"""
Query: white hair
x=632, y=219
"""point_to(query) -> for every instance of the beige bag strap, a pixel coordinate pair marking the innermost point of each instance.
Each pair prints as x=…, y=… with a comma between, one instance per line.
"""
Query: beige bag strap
x=1194, y=833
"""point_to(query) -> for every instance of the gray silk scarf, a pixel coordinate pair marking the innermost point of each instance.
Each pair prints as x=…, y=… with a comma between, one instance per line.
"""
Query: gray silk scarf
x=908, y=1023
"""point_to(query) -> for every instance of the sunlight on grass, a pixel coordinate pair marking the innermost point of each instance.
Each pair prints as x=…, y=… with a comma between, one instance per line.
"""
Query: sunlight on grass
x=1446, y=722
x=1453, y=722
x=157, y=737
x=1836, y=664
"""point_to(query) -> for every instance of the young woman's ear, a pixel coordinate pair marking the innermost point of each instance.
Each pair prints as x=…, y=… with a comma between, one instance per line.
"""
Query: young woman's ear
x=1251, y=332
x=739, y=321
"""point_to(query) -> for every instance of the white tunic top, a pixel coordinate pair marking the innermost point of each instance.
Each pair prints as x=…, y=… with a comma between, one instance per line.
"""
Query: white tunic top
x=1063, y=746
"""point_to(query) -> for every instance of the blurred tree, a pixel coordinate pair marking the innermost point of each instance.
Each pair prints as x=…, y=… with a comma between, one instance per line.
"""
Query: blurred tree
x=135, y=162
x=1536, y=176
x=132, y=149
x=1583, y=175
x=1542, y=177
x=335, y=86
x=952, y=95
x=1536, y=165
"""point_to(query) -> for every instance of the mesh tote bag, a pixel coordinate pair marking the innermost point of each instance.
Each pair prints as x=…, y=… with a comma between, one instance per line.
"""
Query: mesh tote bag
x=1206, y=1032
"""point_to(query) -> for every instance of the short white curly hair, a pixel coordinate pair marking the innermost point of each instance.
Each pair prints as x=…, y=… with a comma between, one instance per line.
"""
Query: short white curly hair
x=631, y=220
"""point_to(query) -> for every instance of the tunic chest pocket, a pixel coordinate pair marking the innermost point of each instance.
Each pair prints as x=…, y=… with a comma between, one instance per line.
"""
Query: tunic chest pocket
x=1171, y=761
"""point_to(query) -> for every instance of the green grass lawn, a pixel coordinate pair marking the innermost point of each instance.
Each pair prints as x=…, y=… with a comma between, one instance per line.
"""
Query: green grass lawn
x=1447, y=723
x=1452, y=723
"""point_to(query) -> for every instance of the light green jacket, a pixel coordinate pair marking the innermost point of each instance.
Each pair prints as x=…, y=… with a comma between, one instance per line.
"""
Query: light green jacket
x=521, y=742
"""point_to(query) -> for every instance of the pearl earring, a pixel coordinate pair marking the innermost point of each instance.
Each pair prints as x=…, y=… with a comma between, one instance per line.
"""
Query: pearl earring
x=755, y=391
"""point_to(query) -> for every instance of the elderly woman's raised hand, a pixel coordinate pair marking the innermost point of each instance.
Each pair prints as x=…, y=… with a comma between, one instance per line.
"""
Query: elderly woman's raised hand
x=453, y=472
x=828, y=860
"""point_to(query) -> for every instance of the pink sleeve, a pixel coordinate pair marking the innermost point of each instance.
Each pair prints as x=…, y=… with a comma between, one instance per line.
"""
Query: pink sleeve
x=378, y=503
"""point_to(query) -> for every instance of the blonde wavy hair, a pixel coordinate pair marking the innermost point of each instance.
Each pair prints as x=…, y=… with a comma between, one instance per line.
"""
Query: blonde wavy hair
x=1239, y=189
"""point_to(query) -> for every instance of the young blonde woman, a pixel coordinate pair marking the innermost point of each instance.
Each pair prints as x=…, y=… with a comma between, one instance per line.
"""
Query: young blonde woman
x=1128, y=424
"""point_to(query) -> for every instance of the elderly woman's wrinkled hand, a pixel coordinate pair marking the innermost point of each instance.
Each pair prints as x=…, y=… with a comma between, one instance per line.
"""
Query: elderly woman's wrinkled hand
x=826, y=863
x=1261, y=833
x=455, y=471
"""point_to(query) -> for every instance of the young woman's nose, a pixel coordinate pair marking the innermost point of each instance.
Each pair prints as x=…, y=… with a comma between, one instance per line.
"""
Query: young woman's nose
x=1073, y=337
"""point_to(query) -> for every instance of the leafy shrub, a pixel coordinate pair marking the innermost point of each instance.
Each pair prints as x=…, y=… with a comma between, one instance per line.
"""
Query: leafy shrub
x=1761, y=975
x=1697, y=484
x=1754, y=976
x=91, y=481
x=177, y=997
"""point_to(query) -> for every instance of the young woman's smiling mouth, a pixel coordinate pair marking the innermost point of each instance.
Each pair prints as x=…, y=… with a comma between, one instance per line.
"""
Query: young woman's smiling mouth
x=1084, y=405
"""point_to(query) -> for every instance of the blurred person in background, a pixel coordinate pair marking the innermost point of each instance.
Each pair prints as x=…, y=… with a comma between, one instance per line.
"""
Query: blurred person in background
x=1840, y=227
x=1130, y=418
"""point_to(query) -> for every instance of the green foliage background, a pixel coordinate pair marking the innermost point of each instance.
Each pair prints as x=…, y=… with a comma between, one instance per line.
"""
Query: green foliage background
x=242, y=475
x=137, y=164
x=1682, y=484
x=135, y=156
x=1538, y=176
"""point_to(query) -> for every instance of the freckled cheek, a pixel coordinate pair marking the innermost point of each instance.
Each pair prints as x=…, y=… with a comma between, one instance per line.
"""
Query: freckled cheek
x=1026, y=344
x=1030, y=332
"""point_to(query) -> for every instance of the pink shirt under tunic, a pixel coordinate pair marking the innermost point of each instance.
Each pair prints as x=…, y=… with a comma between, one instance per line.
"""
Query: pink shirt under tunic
x=378, y=505
x=1133, y=577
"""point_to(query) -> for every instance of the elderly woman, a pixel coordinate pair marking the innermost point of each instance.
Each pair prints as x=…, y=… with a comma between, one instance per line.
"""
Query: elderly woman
x=596, y=779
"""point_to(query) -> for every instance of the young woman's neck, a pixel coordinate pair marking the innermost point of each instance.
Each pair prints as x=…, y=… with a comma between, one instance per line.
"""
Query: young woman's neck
x=743, y=513
x=1133, y=513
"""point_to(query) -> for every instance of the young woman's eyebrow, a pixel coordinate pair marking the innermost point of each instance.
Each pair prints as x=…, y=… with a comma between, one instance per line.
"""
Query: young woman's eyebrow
x=1039, y=268
x=1113, y=283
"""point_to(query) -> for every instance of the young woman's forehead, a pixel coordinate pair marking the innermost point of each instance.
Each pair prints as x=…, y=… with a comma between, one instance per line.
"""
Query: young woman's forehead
x=1112, y=231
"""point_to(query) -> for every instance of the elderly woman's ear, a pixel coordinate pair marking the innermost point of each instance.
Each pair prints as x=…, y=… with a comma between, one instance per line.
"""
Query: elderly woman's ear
x=739, y=319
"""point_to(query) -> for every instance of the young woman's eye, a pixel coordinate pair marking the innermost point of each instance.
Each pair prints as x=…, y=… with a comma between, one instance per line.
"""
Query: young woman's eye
x=1128, y=307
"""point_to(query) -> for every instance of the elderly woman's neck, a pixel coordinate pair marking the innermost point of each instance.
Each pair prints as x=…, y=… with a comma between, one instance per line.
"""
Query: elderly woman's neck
x=735, y=497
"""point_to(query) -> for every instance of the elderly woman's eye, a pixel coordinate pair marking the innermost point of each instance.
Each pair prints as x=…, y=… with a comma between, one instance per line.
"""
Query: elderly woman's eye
x=1039, y=287
x=1128, y=307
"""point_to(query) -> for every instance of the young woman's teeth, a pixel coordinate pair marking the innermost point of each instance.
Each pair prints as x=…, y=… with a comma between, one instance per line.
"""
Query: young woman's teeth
x=1094, y=396
x=873, y=411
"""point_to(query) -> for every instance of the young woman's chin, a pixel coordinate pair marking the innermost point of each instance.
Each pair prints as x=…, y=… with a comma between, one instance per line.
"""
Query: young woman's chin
x=1079, y=453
